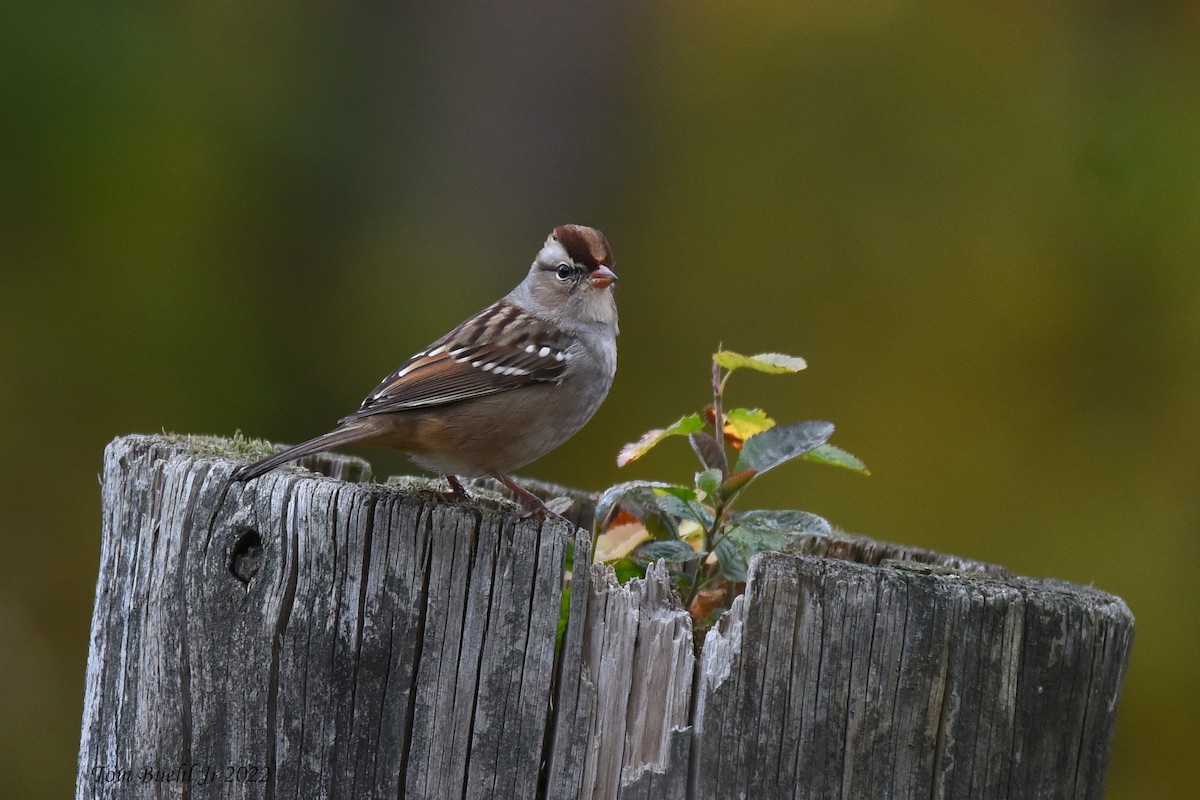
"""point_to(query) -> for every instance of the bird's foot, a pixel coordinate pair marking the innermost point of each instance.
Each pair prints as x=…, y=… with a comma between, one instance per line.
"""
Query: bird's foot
x=456, y=493
x=530, y=506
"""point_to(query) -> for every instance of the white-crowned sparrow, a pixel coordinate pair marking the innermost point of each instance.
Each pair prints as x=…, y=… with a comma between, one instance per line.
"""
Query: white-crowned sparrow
x=506, y=386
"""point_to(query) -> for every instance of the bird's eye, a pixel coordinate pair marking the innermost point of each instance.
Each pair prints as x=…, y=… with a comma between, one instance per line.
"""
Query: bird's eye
x=563, y=272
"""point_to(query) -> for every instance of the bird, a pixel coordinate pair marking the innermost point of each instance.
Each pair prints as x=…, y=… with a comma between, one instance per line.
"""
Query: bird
x=503, y=388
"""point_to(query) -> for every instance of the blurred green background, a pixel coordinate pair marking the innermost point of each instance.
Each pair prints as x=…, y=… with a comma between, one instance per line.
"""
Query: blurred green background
x=980, y=225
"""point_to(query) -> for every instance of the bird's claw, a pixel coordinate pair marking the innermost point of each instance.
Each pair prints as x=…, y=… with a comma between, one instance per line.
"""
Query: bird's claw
x=537, y=509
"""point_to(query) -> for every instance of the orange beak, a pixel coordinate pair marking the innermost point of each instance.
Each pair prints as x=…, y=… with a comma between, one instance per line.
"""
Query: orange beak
x=602, y=276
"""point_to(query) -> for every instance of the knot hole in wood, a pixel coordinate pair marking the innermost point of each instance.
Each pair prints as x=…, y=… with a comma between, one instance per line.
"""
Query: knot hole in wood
x=245, y=557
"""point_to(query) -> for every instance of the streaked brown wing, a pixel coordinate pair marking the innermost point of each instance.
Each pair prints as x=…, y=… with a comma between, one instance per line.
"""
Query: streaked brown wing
x=466, y=363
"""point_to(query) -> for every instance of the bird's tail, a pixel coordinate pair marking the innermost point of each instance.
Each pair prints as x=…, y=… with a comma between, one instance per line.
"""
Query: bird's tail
x=320, y=444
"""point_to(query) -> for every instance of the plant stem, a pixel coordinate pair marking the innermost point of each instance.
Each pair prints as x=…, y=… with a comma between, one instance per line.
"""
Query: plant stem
x=694, y=588
x=718, y=385
x=715, y=532
x=709, y=535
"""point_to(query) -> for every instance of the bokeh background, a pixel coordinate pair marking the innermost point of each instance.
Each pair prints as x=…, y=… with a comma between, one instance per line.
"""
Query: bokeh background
x=980, y=224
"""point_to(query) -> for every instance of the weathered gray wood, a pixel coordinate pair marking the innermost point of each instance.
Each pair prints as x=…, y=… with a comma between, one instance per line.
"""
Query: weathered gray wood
x=379, y=641
x=637, y=666
x=336, y=639
x=836, y=679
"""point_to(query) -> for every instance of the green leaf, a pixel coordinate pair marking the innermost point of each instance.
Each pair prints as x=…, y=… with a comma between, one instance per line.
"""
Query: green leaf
x=732, y=560
x=781, y=444
x=783, y=521
x=635, y=450
x=680, y=502
x=772, y=363
x=837, y=457
x=658, y=506
x=678, y=508
x=564, y=613
x=610, y=500
x=685, y=493
x=755, y=540
x=668, y=550
x=709, y=481
x=762, y=531
x=640, y=500
x=627, y=569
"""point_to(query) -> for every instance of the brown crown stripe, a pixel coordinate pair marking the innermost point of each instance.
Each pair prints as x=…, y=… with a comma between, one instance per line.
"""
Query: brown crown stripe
x=585, y=245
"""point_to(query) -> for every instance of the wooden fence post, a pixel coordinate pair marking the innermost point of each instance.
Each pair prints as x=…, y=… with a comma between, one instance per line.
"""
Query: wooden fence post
x=305, y=636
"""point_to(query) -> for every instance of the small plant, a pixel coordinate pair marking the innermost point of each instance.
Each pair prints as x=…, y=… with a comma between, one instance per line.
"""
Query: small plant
x=694, y=529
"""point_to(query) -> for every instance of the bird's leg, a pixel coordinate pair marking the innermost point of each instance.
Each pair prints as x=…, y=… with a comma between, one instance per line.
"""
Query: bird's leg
x=457, y=493
x=531, y=504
